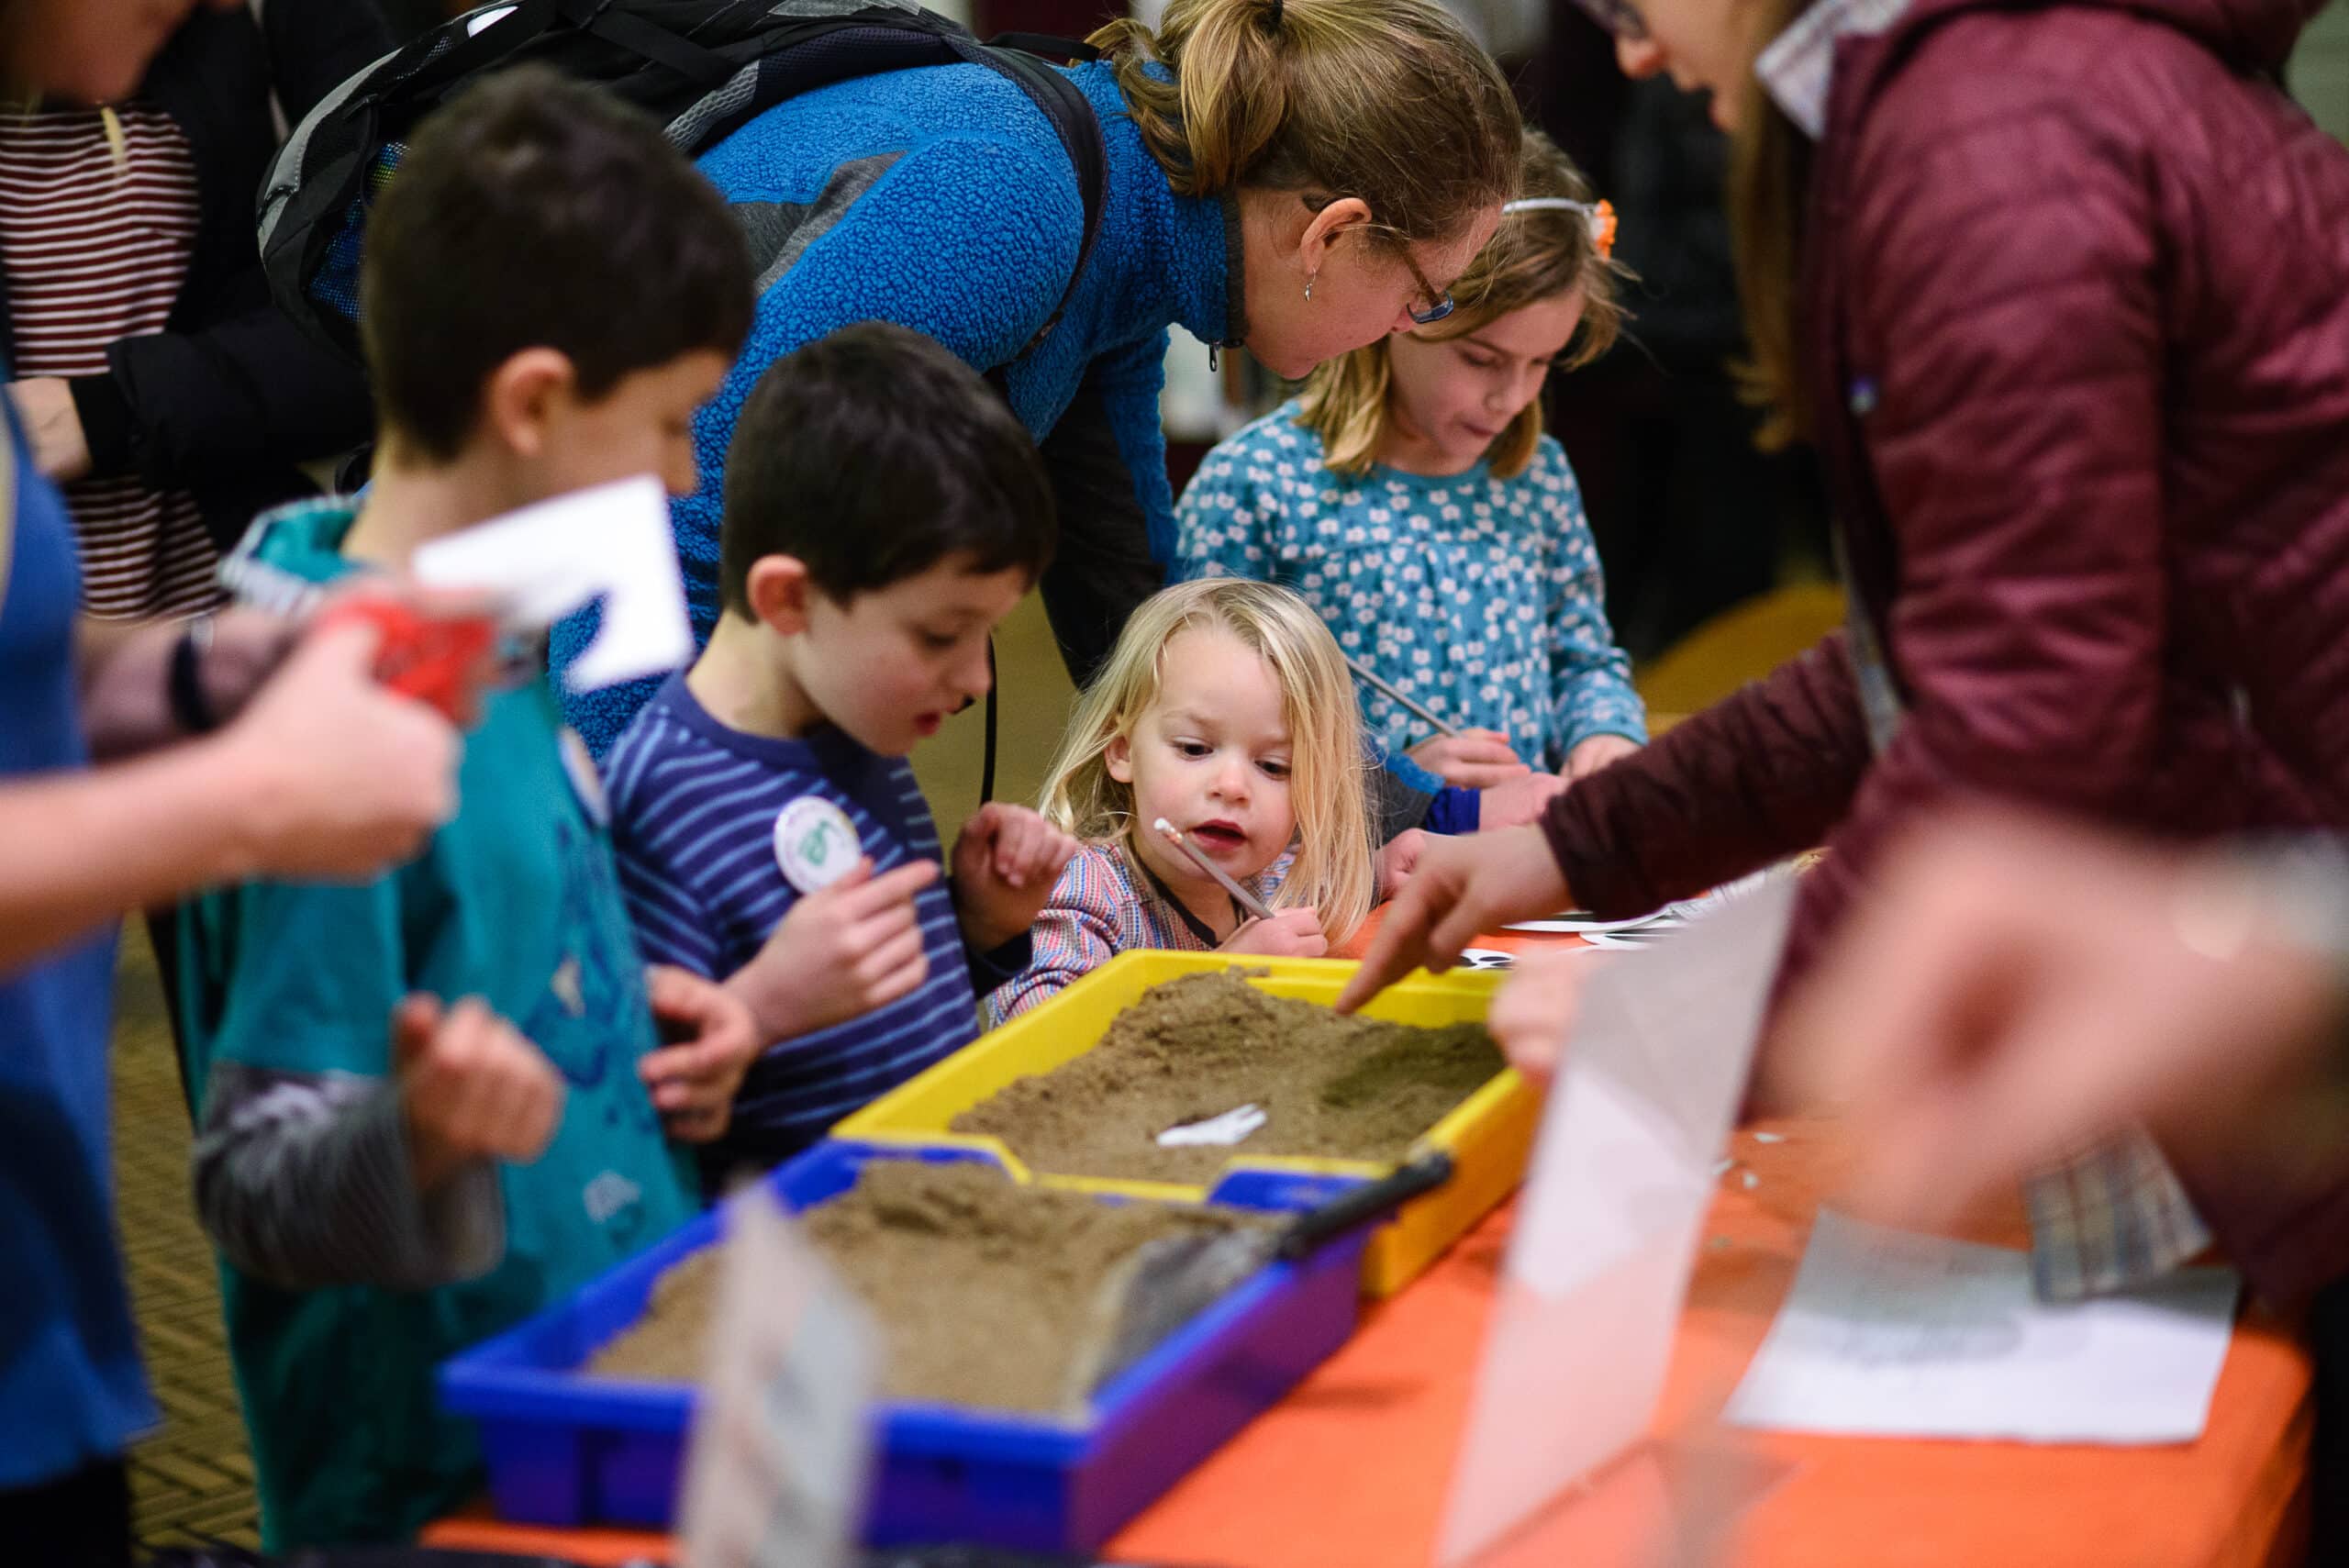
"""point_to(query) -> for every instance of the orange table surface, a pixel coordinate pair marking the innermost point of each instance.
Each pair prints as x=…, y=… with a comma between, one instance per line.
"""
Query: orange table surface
x=1351, y=1470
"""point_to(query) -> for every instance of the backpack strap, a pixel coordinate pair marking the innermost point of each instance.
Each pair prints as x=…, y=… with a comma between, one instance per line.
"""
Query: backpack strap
x=1064, y=103
x=705, y=68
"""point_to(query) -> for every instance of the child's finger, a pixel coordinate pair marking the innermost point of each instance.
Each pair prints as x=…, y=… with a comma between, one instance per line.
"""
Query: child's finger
x=413, y=1023
x=1021, y=850
x=886, y=960
x=1483, y=775
x=902, y=983
x=894, y=889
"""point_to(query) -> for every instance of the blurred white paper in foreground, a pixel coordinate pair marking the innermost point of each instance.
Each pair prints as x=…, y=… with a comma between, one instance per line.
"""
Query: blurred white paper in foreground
x=1589, y=1304
x=1888, y=1333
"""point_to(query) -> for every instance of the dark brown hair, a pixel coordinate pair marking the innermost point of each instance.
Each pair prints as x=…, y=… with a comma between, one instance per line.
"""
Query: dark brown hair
x=536, y=211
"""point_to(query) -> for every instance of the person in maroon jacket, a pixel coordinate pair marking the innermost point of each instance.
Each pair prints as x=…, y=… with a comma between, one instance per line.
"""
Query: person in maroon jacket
x=2061, y=294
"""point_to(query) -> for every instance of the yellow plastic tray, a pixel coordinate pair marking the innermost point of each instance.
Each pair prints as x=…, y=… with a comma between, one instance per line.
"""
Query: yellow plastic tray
x=1489, y=1136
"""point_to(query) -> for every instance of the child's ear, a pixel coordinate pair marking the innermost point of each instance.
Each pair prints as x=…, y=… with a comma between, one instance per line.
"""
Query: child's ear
x=1118, y=756
x=780, y=590
x=524, y=396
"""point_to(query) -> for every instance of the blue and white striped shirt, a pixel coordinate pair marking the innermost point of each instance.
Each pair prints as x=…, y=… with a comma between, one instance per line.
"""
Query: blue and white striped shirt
x=694, y=805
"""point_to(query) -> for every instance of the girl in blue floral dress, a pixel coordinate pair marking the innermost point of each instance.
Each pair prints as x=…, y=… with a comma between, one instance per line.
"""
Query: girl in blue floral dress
x=1410, y=495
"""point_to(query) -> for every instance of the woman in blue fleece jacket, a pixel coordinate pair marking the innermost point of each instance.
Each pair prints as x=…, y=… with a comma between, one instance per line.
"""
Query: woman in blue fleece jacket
x=1300, y=176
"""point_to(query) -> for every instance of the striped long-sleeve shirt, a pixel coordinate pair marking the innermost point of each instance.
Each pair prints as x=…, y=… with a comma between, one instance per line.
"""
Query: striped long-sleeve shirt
x=96, y=253
x=694, y=808
x=1100, y=908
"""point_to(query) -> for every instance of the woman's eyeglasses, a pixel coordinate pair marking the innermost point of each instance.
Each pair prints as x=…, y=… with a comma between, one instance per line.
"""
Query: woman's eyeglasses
x=1438, y=301
x=1617, y=16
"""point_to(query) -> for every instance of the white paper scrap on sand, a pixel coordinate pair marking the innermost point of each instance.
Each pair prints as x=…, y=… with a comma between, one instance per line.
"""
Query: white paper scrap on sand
x=1614, y=1205
x=1217, y=1131
x=1888, y=1333
x=610, y=543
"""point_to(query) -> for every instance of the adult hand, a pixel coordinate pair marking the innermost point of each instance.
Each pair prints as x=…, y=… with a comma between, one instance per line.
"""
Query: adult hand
x=1516, y=802
x=1473, y=758
x=45, y=406
x=2013, y=987
x=1598, y=751
x=470, y=1088
x=1461, y=887
x=1006, y=862
x=339, y=777
x=1534, y=1010
x=715, y=1039
x=839, y=954
x=1290, y=933
x=1400, y=858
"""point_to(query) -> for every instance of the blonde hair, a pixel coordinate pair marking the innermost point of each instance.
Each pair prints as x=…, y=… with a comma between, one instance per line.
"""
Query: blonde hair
x=1388, y=101
x=1332, y=874
x=1536, y=254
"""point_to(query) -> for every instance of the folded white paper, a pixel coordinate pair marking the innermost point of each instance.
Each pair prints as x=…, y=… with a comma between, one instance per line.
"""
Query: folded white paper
x=610, y=543
x=1891, y=1334
x=1616, y=1197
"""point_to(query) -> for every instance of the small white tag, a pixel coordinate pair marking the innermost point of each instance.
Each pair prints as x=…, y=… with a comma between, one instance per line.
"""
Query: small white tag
x=815, y=843
x=783, y=1437
x=586, y=784
x=1223, y=1130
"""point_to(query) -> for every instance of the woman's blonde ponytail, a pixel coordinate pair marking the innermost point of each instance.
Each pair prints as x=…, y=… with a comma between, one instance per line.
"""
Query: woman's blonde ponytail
x=1389, y=100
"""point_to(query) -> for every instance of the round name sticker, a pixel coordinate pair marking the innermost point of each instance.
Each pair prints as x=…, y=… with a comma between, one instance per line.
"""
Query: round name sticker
x=815, y=843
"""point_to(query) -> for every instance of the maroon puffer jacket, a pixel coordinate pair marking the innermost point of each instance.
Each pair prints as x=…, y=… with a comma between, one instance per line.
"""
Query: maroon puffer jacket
x=2077, y=308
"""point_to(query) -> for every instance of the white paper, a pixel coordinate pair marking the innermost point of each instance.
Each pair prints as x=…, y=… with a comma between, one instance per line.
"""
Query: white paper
x=783, y=1437
x=611, y=542
x=1607, y=1235
x=1888, y=1333
x=1574, y=923
x=1219, y=1132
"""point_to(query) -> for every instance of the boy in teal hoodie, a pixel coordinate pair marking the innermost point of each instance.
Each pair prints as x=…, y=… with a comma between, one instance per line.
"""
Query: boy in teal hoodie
x=549, y=294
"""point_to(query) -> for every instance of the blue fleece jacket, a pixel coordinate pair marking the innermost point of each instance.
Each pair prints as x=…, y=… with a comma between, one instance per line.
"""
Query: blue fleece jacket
x=941, y=200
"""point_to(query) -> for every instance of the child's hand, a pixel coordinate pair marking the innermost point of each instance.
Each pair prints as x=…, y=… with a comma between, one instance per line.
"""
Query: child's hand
x=1473, y=758
x=470, y=1088
x=1517, y=802
x=1595, y=753
x=1005, y=865
x=1290, y=933
x=849, y=949
x=1398, y=860
x=693, y=1081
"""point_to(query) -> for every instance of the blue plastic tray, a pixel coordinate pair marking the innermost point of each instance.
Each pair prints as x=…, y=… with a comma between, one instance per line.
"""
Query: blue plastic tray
x=567, y=1450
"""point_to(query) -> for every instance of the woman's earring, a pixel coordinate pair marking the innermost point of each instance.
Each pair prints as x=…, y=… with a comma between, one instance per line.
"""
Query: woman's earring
x=1309, y=286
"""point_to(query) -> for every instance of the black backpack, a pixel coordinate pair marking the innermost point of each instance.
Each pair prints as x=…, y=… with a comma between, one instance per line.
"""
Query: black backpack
x=701, y=66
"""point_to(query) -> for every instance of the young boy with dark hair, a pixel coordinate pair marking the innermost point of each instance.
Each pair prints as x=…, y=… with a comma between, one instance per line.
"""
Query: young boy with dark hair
x=884, y=511
x=549, y=293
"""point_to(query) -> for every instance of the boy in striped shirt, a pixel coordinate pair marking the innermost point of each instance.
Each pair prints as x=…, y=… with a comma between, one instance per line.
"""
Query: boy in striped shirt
x=884, y=511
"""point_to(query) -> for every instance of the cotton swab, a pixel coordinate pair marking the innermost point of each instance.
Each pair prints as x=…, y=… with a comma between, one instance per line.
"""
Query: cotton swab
x=1247, y=900
x=1366, y=678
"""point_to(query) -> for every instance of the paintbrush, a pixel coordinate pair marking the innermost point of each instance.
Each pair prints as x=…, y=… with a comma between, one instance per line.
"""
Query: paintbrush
x=1371, y=681
x=1247, y=900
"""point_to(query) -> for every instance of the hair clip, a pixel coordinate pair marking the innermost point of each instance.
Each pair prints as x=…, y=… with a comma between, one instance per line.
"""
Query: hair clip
x=1600, y=216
